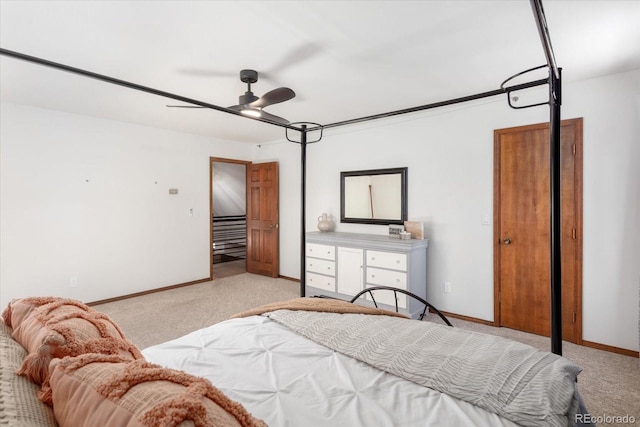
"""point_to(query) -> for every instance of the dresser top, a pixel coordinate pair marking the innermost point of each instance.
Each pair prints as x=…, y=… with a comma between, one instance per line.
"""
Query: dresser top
x=375, y=241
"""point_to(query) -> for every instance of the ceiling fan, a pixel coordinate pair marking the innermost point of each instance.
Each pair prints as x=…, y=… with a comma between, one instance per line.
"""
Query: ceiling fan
x=251, y=105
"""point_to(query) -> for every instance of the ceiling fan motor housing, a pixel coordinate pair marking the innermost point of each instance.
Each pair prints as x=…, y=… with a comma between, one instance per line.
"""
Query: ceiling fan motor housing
x=247, y=98
x=249, y=76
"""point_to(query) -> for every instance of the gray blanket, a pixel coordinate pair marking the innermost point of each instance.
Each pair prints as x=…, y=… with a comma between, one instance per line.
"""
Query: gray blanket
x=525, y=385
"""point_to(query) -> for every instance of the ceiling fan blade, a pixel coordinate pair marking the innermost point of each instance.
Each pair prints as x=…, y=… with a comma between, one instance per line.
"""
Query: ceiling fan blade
x=263, y=114
x=298, y=55
x=273, y=117
x=275, y=96
x=185, y=106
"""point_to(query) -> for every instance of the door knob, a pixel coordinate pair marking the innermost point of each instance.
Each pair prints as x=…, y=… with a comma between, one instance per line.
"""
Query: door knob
x=507, y=241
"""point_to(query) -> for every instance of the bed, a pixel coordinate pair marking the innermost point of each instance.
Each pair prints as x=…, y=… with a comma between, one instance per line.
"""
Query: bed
x=305, y=361
x=323, y=362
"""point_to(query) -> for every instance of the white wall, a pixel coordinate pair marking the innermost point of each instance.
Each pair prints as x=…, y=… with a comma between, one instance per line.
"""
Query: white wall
x=449, y=153
x=611, y=107
x=87, y=198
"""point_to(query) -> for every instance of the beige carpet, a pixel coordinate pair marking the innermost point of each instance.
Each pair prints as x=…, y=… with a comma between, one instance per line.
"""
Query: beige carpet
x=609, y=383
x=154, y=318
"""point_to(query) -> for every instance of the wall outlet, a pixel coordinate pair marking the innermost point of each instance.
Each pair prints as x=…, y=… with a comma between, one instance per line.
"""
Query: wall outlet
x=73, y=282
x=447, y=287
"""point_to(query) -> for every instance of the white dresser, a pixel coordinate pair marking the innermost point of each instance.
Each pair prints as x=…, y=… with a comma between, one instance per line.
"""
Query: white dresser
x=340, y=265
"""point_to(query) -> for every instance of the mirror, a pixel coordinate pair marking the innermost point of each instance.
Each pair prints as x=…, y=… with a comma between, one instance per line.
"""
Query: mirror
x=377, y=196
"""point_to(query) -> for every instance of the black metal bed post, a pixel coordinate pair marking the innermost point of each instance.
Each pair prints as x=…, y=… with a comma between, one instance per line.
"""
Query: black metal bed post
x=555, y=99
x=303, y=207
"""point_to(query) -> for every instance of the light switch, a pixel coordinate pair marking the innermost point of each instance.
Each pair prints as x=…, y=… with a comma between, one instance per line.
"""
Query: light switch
x=485, y=219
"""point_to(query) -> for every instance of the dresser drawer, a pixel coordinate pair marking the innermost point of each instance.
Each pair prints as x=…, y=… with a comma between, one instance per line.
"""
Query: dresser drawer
x=321, y=266
x=326, y=283
x=391, y=260
x=321, y=251
x=378, y=277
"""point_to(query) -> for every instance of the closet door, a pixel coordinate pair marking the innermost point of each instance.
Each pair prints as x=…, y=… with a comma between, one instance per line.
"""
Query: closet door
x=522, y=229
x=350, y=270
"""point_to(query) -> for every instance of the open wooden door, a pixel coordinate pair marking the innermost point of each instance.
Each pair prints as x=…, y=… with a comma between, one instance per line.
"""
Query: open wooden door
x=263, y=228
x=522, y=230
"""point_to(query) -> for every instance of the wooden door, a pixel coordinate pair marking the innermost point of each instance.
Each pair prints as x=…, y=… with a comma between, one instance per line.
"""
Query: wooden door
x=262, y=219
x=522, y=229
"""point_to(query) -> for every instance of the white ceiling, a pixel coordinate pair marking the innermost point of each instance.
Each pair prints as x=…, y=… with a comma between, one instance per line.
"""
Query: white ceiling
x=344, y=59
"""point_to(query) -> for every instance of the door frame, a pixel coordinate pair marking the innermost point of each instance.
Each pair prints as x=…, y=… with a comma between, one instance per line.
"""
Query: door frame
x=213, y=160
x=578, y=192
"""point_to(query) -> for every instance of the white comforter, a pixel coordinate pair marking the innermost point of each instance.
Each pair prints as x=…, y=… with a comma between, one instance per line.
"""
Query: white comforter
x=288, y=380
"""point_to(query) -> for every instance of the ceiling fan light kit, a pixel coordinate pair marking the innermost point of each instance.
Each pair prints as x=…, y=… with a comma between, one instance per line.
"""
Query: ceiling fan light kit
x=251, y=112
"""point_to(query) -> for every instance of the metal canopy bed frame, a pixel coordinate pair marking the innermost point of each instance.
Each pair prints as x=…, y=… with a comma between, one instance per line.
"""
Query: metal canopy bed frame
x=554, y=82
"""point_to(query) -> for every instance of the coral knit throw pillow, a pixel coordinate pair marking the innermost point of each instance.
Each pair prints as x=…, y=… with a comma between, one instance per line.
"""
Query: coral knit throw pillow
x=99, y=390
x=50, y=327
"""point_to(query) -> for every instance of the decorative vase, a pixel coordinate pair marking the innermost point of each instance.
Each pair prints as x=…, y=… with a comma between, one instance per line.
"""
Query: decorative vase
x=325, y=223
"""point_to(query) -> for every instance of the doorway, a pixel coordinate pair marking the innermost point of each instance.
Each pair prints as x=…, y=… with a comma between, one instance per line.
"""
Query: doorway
x=244, y=229
x=228, y=217
x=522, y=294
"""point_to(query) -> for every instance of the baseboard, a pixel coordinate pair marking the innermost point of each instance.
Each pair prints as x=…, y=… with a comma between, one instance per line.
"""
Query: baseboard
x=293, y=279
x=151, y=291
x=598, y=346
x=468, y=318
x=611, y=349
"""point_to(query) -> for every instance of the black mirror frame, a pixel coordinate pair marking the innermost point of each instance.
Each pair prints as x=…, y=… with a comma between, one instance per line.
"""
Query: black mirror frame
x=403, y=196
